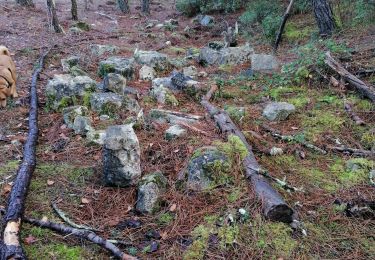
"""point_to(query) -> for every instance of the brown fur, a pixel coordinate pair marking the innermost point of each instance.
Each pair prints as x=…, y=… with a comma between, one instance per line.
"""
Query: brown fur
x=8, y=76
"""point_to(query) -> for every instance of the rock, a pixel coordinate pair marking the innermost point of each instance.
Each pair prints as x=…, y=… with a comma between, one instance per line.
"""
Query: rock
x=278, y=111
x=165, y=82
x=82, y=125
x=200, y=170
x=77, y=71
x=190, y=71
x=110, y=103
x=164, y=95
x=193, y=53
x=202, y=74
x=175, y=132
x=96, y=136
x=225, y=56
x=264, y=63
x=70, y=114
x=75, y=31
x=248, y=73
x=121, y=156
x=159, y=26
x=99, y=50
x=69, y=62
x=119, y=65
x=276, y=151
x=205, y=20
x=235, y=113
x=115, y=83
x=153, y=59
x=165, y=116
x=64, y=90
x=146, y=73
x=186, y=84
x=178, y=62
x=150, y=188
x=104, y=117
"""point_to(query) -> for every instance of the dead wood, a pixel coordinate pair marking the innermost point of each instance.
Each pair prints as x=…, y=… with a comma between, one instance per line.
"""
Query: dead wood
x=352, y=151
x=281, y=29
x=359, y=85
x=353, y=115
x=274, y=207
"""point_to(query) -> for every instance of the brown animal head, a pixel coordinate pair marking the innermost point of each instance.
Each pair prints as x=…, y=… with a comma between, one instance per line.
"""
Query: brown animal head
x=5, y=86
x=4, y=50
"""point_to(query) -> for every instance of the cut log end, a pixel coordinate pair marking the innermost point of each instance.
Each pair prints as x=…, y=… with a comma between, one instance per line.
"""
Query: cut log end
x=282, y=213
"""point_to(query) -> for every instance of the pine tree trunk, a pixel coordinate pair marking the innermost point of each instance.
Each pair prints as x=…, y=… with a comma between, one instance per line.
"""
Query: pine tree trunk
x=324, y=17
x=74, y=10
x=146, y=6
x=123, y=6
x=54, y=21
x=25, y=2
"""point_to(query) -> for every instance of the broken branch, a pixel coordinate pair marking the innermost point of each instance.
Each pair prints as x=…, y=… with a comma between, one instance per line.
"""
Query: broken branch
x=353, y=115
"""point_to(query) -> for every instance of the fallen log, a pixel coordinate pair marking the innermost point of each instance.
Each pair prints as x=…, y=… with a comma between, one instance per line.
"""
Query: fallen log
x=281, y=29
x=79, y=233
x=352, y=151
x=274, y=207
x=10, y=245
x=359, y=85
x=353, y=115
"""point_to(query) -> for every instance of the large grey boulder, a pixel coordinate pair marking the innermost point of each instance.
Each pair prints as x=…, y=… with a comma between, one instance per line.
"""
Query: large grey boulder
x=121, y=156
x=64, y=90
x=225, y=56
x=69, y=62
x=175, y=132
x=146, y=73
x=264, y=63
x=115, y=83
x=204, y=167
x=99, y=49
x=96, y=136
x=186, y=84
x=150, y=188
x=278, y=111
x=70, y=114
x=154, y=59
x=119, y=65
x=82, y=125
x=110, y=103
x=190, y=71
x=165, y=82
x=163, y=95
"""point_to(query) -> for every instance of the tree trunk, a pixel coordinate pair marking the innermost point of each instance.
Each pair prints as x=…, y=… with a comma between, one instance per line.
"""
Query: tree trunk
x=324, y=17
x=281, y=29
x=74, y=10
x=123, y=5
x=11, y=246
x=54, y=21
x=146, y=6
x=25, y=2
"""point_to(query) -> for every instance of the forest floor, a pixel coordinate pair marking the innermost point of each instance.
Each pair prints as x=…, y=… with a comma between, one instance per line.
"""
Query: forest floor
x=187, y=222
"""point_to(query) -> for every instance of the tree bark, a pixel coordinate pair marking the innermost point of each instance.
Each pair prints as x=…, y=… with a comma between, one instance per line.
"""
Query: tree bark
x=123, y=5
x=274, y=207
x=54, y=21
x=11, y=247
x=324, y=17
x=281, y=30
x=25, y=2
x=146, y=6
x=74, y=10
x=359, y=85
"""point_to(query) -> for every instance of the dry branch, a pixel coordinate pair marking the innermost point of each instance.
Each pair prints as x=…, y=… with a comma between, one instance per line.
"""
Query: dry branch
x=352, y=151
x=11, y=247
x=353, y=115
x=281, y=29
x=359, y=85
x=274, y=207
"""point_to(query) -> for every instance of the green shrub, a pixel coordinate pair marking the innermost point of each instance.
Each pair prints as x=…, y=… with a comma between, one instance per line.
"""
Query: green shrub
x=270, y=25
x=350, y=13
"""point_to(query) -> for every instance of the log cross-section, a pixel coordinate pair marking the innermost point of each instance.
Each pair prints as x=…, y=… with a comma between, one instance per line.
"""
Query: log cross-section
x=274, y=207
x=10, y=246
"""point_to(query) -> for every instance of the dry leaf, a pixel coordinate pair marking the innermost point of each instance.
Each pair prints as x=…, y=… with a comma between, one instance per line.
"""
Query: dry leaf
x=7, y=188
x=85, y=201
x=113, y=222
x=164, y=235
x=173, y=207
x=30, y=240
x=50, y=182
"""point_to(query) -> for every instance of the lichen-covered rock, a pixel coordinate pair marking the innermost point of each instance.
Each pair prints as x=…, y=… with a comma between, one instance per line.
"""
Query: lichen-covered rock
x=115, y=83
x=69, y=62
x=146, y=73
x=66, y=90
x=70, y=114
x=206, y=166
x=278, y=111
x=164, y=95
x=165, y=116
x=96, y=136
x=165, y=82
x=82, y=125
x=150, y=188
x=121, y=156
x=264, y=63
x=225, y=56
x=175, y=132
x=205, y=20
x=186, y=84
x=190, y=71
x=99, y=49
x=119, y=65
x=154, y=59
x=110, y=103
